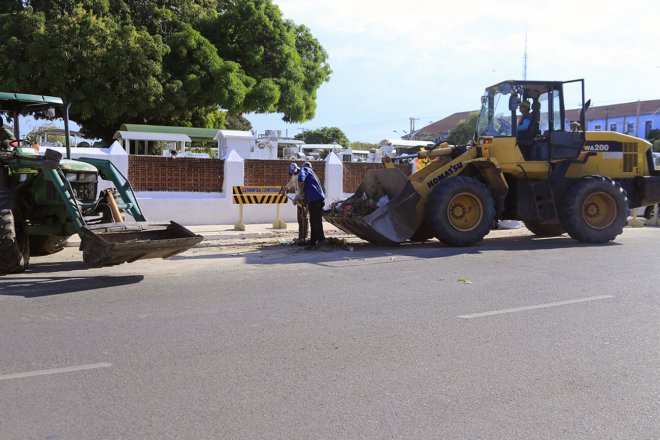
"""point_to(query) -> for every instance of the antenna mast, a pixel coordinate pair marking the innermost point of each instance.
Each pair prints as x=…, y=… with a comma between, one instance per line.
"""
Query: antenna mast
x=525, y=57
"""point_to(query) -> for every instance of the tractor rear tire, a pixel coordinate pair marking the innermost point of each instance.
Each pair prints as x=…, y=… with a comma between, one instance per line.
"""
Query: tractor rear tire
x=46, y=244
x=648, y=212
x=544, y=230
x=595, y=210
x=461, y=211
x=14, y=241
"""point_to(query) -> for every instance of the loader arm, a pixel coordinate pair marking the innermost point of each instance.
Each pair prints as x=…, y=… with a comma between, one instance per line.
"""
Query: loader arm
x=108, y=171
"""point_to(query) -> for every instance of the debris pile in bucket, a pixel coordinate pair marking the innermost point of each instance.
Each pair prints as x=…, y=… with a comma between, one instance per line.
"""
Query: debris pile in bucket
x=357, y=206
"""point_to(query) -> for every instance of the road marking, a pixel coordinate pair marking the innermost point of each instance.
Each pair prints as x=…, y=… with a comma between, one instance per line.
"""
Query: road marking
x=54, y=371
x=538, y=306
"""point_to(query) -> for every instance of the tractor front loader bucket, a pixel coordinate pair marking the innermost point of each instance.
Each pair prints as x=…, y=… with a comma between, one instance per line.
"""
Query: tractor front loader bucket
x=115, y=243
x=392, y=222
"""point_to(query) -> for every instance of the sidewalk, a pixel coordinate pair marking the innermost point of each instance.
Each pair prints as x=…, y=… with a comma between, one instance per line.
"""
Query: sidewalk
x=252, y=231
x=262, y=230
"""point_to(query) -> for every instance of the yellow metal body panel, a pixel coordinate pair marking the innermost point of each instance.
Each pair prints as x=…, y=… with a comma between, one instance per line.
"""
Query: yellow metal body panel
x=617, y=155
x=507, y=156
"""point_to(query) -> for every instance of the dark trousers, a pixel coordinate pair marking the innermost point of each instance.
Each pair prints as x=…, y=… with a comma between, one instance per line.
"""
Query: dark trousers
x=316, y=221
x=303, y=221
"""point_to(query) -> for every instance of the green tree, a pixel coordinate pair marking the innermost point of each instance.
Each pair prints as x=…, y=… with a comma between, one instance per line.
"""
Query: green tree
x=464, y=130
x=653, y=136
x=362, y=145
x=325, y=135
x=165, y=63
x=238, y=122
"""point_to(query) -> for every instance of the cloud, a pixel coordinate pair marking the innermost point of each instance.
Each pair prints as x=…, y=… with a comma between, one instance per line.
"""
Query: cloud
x=393, y=60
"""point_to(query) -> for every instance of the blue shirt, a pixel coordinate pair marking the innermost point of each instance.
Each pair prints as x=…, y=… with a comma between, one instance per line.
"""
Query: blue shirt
x=311, y=185
x=525, y=123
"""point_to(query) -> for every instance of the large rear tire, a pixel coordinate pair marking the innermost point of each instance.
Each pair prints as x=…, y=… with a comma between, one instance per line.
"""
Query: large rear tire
x=14, y=242
x=461, y=211
x=46, y=244
x=544, y=230
x=595, y=210
x=648, y=212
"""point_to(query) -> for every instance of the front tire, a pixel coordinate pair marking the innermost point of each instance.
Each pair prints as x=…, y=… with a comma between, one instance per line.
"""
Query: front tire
x=14, y=241
x=595, y=210
x=47, y=244
x=423, y=233
x=461, y=211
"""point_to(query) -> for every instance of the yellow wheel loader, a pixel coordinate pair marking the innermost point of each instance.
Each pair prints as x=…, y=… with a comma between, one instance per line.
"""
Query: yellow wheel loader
x=558, y=178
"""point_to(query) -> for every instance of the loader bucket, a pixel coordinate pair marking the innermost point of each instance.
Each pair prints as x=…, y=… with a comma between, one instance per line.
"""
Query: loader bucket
x=394, y=222
x=115, y=243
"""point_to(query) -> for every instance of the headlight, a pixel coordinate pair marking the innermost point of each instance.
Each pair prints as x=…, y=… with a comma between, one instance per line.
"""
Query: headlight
x=71, y=177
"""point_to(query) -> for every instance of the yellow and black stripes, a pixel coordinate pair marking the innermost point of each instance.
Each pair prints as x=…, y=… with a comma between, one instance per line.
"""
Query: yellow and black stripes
x=258, y=195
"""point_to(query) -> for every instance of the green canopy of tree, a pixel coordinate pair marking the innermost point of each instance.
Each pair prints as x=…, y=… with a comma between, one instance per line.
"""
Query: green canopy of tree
x=325, y=135
x=653, y=136
x=357, y=145
x=464, y=130
x=164, y=63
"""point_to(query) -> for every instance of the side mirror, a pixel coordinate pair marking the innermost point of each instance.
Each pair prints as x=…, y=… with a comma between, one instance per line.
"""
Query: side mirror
x=50, y=112
x=587, y=105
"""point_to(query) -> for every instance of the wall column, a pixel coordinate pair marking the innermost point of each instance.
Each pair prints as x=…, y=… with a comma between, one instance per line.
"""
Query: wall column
x=334, y=178
x=234, y=173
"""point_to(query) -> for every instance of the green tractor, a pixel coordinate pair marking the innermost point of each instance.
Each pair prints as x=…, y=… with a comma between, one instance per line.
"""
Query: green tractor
x=45, y=199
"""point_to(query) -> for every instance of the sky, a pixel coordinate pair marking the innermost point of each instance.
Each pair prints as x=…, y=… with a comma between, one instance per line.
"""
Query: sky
x=426, y=59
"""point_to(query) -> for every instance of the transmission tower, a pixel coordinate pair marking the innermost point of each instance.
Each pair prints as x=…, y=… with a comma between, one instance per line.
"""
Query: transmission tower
x=525, y=57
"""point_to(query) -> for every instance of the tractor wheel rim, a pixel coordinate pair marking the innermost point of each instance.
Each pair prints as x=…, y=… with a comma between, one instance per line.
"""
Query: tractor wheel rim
x=599, y=210
x=465, y=212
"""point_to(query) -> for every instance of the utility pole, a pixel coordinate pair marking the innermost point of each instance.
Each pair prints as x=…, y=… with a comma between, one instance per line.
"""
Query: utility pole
x=525, y=57
x=412, y=127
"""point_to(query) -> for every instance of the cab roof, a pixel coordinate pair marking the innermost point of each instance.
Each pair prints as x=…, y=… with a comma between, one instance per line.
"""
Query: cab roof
x=23, y=102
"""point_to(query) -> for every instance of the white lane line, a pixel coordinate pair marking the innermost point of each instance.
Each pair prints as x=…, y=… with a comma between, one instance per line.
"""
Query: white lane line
x=538, y=306
x=54, y=371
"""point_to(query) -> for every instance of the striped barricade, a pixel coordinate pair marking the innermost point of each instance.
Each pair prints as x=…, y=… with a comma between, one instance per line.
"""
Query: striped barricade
x=259, y=195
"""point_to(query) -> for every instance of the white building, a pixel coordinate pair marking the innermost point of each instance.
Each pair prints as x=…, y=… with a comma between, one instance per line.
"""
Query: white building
x=244, y=143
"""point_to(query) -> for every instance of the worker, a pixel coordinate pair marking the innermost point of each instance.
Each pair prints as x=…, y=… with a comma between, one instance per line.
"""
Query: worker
x=299, y=202
x=315, y=200
x=525, y=123
x=6, y=135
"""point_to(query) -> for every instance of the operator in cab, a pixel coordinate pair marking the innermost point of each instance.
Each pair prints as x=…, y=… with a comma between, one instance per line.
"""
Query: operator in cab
x=525, y=132
x=6, y=134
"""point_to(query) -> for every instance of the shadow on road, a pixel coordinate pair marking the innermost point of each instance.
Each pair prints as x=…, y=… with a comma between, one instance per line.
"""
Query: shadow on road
x=38, y=286
x=356, y=249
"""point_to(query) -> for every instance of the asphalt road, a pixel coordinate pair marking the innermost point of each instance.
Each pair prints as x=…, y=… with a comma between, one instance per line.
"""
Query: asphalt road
x=516, y=338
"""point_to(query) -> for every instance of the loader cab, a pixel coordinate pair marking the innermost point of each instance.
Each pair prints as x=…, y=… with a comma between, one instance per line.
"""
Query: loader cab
x=552, y=136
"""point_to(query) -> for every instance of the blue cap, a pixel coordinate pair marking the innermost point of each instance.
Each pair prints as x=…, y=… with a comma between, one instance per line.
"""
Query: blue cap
x=293, y=168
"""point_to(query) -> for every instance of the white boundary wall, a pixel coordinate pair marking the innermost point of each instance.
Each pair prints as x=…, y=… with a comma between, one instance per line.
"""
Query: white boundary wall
x=218, y=209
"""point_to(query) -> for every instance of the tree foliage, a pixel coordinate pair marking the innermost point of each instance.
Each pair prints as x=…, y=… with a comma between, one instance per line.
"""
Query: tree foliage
x=325, y=135
x=357, y=145
x=464, y=130
x=164, y=63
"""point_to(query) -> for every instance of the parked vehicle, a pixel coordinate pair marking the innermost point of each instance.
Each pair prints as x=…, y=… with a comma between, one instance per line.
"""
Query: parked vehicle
x=44, y=199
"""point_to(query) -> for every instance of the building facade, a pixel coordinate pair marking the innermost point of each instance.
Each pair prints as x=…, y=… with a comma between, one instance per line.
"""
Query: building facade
x=636, y=118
